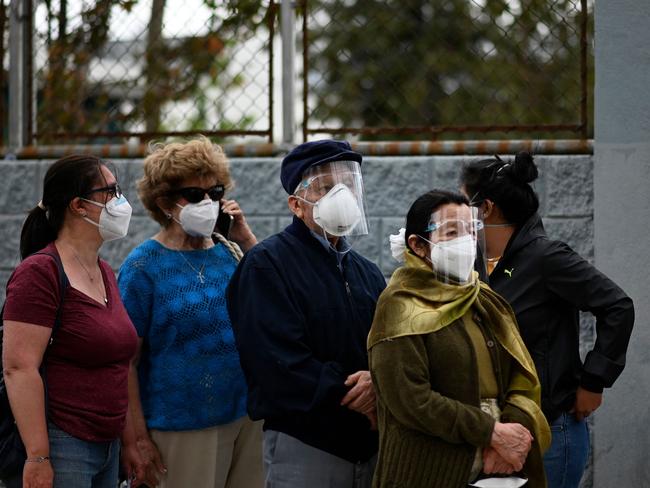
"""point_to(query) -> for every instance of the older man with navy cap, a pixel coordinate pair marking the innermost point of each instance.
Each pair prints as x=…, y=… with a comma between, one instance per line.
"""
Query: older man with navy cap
x=301, y=303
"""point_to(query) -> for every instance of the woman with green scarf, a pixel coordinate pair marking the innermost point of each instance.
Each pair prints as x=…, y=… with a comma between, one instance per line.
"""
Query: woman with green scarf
x=458, y=398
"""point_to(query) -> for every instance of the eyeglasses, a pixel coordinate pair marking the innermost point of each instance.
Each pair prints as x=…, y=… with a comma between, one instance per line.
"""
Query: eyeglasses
x=194, y=194
x=449, y=229
x=114, y=191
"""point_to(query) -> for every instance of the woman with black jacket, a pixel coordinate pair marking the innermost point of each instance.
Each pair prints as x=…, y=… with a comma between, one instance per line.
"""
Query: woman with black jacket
x=547, y=284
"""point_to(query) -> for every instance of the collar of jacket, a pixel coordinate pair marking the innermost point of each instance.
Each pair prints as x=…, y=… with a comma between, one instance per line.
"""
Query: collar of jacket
x=531, y=230
x=299, y=229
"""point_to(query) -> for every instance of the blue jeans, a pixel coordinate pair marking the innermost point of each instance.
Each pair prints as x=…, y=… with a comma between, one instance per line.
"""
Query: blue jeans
x=567, y=457
x=82, y=464
x=79, y=464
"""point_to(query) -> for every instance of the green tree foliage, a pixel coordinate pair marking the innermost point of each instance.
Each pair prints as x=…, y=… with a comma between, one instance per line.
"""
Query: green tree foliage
x=378, y=63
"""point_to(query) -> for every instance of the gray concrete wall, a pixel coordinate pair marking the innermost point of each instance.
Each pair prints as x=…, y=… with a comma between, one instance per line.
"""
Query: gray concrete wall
x=392, y=183
x=622, y=233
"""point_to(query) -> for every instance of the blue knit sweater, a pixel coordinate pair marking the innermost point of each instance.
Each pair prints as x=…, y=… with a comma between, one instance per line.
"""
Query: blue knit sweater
x=189, y=371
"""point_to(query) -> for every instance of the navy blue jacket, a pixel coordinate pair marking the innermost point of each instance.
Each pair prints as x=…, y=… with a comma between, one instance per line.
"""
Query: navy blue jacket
x=547, y=284
x=301, y=325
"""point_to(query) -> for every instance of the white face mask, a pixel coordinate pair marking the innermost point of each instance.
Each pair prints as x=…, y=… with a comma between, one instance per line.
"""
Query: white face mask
x=337, y=213
x=454, y=258
x=114, y=219
x=199, y=219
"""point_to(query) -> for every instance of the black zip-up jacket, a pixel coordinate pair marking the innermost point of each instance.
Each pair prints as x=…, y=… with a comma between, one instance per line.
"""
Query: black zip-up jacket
x=547, y=284
x=301, y=325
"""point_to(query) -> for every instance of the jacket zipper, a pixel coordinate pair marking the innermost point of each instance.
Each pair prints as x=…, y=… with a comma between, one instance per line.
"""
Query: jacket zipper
x=348, y=292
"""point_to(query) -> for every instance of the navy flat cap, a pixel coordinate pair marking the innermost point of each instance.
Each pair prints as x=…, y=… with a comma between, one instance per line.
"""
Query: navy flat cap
x=310, y=154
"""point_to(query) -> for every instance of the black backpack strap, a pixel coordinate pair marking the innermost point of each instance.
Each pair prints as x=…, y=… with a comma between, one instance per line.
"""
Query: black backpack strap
x=63, y=285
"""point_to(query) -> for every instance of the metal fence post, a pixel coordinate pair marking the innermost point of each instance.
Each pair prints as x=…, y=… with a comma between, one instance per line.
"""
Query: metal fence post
x=288, y=32
x=20, y=117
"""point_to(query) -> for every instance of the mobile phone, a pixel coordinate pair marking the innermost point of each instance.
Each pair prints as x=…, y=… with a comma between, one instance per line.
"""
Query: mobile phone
x=224, y=222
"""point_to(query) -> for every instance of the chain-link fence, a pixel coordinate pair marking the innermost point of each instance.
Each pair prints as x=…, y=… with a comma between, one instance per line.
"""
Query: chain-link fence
x=122, y=71
x=112, y=69
x=4, y=68
x=447, y=68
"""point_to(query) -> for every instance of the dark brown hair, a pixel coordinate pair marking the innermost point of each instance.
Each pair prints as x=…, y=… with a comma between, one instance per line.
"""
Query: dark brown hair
x=68, y=178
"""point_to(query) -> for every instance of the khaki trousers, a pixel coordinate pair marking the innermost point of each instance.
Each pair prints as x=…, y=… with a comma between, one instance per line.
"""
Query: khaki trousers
x=226, y=456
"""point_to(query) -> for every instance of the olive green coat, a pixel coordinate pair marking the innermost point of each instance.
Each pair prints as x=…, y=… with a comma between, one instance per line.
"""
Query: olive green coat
x=426, y=379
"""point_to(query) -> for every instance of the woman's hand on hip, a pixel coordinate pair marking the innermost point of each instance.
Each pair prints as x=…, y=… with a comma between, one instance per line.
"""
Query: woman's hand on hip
x=38, y=475
x=586, y=402
x=512, y=442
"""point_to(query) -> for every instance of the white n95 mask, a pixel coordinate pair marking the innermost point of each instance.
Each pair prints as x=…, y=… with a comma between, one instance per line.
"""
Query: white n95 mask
x=199, y=219
x=114, y=219
x=455, y=257
x=337, y=213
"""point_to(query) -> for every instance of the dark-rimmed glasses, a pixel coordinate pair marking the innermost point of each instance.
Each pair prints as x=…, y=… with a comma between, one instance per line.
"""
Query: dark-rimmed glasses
x=113, y=191
x=195, y=194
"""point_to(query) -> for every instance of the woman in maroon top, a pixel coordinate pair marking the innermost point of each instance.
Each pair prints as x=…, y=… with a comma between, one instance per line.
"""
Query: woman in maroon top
x=74, y=440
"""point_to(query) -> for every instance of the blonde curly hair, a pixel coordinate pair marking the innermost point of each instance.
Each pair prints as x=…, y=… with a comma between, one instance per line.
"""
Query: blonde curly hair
x=170, y=164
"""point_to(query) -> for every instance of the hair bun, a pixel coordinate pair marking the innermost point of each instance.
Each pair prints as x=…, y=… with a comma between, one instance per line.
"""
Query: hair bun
x=524, y=169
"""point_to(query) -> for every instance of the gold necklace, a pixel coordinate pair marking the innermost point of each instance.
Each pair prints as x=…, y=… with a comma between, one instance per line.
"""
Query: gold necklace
x=199, y=272
x=92, y=280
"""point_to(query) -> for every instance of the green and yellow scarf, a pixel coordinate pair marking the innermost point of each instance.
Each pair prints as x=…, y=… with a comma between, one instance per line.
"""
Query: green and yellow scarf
x=415, y=303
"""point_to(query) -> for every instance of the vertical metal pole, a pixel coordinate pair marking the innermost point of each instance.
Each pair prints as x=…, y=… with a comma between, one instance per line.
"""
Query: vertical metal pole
x=584, y=88
x=19, y=91
x=16, y=82
x=305, y=71
x=29, y=80
x=271, y=16
x=3, y=110
x=288, y=31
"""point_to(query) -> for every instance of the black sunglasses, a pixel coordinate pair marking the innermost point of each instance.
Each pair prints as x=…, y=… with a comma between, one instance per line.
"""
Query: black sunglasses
x=194, y=194
x=114, y=191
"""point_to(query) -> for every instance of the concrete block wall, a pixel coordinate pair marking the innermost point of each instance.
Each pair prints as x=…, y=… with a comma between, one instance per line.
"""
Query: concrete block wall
x=391, y=183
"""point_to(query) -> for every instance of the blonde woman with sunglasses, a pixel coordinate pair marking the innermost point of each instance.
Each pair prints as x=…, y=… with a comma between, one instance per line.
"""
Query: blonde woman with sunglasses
x=188, y=397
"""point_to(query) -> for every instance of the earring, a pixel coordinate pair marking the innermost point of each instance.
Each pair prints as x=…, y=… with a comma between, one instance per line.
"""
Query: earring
x=83, y=214
x=168, y=215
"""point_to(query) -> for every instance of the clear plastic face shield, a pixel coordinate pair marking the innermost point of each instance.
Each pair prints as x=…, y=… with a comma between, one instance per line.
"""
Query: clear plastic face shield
x=482, y=261
x=455, y=243
x=335, y=192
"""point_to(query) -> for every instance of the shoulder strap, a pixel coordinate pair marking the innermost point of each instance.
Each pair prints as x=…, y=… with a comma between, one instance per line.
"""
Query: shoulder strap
x=63, y=285
x=232, y=247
